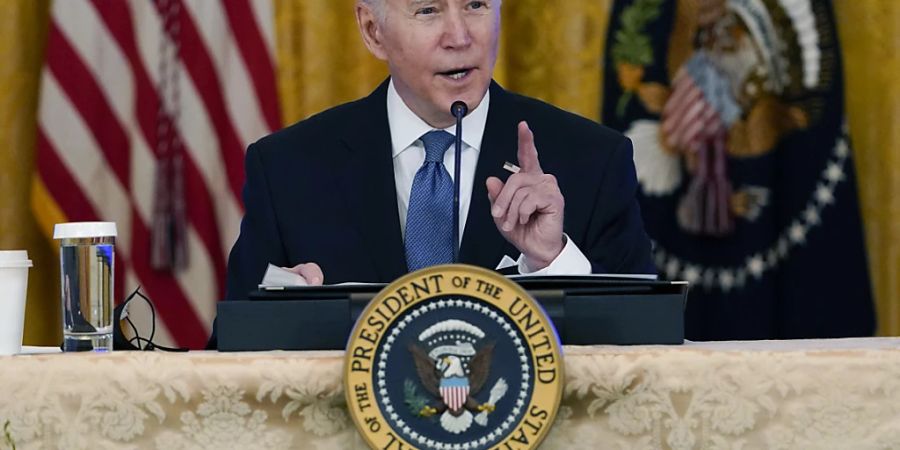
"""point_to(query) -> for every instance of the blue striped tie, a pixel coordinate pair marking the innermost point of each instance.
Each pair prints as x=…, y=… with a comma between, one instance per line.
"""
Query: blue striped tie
x=429, y=219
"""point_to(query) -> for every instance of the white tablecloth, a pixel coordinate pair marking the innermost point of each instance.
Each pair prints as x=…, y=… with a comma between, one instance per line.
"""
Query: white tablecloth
x=770, y=394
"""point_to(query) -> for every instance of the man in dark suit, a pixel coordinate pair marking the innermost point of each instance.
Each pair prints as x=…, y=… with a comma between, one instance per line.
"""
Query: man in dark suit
x=360, y=192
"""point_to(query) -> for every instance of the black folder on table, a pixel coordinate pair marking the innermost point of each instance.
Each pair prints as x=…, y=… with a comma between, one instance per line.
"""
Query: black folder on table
x=584, y=309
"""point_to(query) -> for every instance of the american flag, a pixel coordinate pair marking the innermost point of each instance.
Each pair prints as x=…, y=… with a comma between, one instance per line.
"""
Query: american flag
x=454, y=392
x=146, y=108
x=695, y=121
x=689, y=119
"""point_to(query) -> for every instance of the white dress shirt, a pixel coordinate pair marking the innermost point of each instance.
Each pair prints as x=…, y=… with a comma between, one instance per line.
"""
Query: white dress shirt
x=408, y=154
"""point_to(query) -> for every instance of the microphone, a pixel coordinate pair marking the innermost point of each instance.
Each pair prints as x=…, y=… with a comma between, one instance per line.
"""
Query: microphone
x=459, y=109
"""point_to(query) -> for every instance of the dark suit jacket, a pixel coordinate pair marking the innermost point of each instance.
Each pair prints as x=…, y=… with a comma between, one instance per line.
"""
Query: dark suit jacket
x=322, y=190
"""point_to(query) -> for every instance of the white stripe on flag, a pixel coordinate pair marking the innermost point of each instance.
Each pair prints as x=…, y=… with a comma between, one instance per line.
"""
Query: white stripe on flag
x=116, y=197
x=79, y=152
x=200, y=139
x=111, y=70
x=237, y=86
x=264, y=14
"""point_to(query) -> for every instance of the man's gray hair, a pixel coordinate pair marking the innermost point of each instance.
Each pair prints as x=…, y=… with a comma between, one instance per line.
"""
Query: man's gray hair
x=380, y=9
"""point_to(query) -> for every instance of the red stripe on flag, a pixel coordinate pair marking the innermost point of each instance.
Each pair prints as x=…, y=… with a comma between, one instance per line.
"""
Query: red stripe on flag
x=85, y=94
x=170, y=302
x=678, y=91
x=91, y=100
x=64, y=189
x=200, y=213
x=256, y=58
x=117, y=18
x=76, y=80
x=200, y=67
x=60, y=184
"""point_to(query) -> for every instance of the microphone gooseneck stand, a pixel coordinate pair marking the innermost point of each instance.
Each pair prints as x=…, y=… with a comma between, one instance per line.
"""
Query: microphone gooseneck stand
x=459, y=109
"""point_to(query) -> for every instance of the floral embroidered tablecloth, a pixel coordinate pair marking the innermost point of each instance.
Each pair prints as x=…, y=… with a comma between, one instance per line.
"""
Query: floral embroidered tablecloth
x=774, y=394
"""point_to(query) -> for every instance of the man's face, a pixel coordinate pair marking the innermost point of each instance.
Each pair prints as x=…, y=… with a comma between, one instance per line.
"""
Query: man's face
x=439, y=51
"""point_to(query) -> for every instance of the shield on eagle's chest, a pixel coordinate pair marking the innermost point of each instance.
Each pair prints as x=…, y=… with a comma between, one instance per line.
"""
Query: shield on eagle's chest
x=454, y=392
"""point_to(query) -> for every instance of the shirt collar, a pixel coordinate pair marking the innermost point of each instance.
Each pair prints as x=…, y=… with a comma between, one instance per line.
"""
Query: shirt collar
x=406, y=127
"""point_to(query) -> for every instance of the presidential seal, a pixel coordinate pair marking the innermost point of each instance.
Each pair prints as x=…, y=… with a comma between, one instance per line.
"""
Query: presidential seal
x=453, y=357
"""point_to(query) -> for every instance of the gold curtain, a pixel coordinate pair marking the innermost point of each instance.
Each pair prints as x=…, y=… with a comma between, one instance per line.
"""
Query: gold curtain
x=550, y=49
x=870, y=39
x=322, y=61
x=23, y=25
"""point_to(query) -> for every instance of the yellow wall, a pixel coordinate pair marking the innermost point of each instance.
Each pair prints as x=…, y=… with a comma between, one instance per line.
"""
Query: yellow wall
x=870, y=38
x=547, y=51
x=553, y=52
x=550, y=49
x=23, y=25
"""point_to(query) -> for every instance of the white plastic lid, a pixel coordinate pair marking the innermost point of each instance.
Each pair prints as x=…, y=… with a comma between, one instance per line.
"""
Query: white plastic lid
x=14, y=259
x=75, y=230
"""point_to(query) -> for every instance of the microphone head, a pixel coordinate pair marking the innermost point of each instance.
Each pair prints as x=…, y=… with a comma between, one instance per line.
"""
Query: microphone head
x=459, y=109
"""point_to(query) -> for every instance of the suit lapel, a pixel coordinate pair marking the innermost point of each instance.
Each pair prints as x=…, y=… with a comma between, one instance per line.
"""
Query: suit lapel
x=482, y=243
x=369, y=189
x=368, y=184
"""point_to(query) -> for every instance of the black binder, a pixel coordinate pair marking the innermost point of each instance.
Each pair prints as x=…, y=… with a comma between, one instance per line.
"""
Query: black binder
x=585, y=310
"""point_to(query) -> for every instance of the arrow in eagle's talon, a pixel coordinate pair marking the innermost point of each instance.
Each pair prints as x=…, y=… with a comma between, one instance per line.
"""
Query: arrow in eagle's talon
x=487, y=408
x=427, y=411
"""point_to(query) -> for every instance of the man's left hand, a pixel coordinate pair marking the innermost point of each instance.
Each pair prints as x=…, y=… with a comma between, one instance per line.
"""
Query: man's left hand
x=528, y=208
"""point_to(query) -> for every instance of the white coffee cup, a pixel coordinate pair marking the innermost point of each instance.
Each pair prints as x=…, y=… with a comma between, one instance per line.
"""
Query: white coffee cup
x=14, y=265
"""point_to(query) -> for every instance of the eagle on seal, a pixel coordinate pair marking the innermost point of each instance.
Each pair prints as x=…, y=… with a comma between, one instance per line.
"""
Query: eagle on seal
x=447, y=381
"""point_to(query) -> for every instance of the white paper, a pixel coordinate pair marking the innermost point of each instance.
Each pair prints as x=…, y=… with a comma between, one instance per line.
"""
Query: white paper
x=599, y=276
x=280, y=277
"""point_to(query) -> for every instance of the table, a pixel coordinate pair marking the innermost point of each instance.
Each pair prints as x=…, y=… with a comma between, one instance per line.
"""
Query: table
x=765, y=394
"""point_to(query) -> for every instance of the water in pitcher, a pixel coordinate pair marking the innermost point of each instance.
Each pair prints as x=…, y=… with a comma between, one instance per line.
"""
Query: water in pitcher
x=87, y=268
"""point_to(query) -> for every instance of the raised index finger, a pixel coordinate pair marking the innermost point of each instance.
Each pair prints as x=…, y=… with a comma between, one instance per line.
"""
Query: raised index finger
x=528, y=156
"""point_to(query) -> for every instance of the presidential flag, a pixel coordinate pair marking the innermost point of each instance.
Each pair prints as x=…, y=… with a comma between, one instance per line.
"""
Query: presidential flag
x=146, y=108
x=736, y=110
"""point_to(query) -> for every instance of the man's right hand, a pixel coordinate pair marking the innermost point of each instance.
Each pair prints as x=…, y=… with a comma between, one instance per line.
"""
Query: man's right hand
x=311, y=272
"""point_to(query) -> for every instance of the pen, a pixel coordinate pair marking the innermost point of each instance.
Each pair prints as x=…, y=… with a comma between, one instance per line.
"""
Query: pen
x=510, y=167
